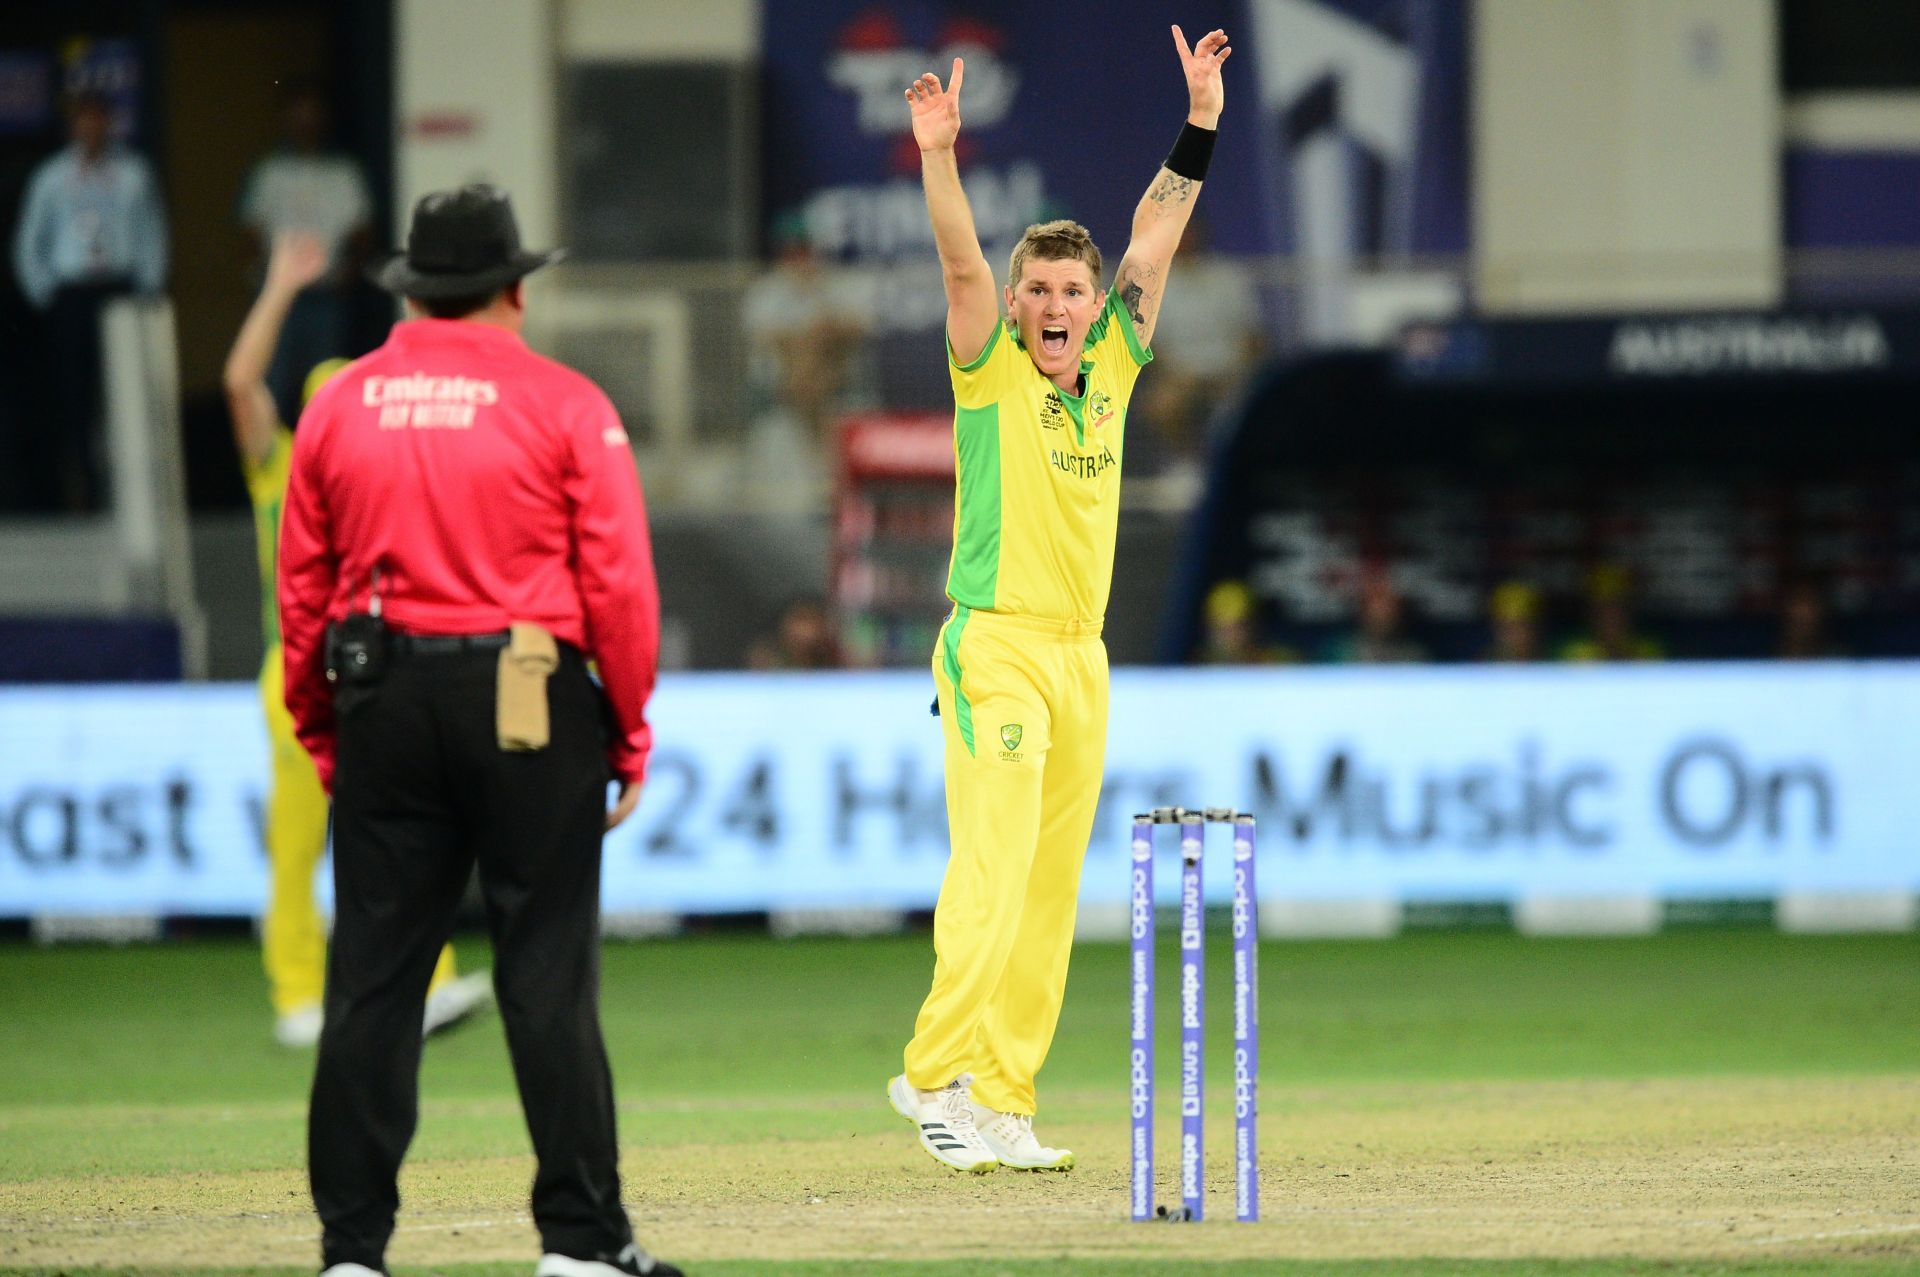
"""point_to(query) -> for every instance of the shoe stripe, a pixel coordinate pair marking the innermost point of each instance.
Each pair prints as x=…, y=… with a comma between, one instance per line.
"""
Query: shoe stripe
x=933, y=1126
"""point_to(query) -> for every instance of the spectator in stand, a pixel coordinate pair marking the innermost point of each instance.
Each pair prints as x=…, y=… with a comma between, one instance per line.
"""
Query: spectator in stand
x=1805, y=625
x=1233, y=630
x=804, y=326
x=91, y=230
x=1209, y=338
x=803, y=639
x=1514, y=610
x=1611, y=634
x=1380, y=637
x=302, y=187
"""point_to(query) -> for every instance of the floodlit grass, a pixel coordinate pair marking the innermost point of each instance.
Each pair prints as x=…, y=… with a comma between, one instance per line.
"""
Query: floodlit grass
x=1699, y=1101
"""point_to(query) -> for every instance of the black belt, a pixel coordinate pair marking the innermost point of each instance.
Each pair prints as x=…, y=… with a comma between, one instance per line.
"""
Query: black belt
x=448, y=644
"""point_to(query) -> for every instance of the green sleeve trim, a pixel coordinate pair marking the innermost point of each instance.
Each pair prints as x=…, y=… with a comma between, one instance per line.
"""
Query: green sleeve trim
x=973, y=365
x=950, y=662
x=269, y=532
x=1101, y=322
x=1141, y=355
x=974, y=576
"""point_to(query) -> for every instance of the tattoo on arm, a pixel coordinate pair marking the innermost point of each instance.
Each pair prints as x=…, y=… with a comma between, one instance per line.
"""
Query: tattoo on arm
x=1171, y=189
x=1139, y=290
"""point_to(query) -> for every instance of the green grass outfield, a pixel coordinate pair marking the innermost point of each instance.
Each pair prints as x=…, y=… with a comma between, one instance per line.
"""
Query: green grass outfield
x=1444, y=1103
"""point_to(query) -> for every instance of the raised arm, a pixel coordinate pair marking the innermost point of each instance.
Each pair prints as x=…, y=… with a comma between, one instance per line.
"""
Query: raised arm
x=1162, y=215
x=296, y=261
x=973, y=307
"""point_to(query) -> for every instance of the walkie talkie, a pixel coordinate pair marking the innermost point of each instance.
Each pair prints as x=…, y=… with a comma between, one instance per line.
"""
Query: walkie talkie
x=359, y=646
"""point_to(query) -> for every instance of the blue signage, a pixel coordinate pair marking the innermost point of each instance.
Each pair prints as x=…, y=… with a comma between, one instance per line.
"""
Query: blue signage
x=794, y=791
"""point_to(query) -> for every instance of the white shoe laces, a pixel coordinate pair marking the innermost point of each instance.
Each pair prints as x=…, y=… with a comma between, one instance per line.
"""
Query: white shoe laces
x=1015, y=1130
x=954, y=1105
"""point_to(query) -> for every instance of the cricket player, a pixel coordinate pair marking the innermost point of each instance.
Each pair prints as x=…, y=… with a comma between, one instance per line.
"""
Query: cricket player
x=294, y=939
x=1040, y=406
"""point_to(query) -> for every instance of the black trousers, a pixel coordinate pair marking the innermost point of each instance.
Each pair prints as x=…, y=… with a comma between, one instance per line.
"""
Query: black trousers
x=421, y=794
x=69, y=450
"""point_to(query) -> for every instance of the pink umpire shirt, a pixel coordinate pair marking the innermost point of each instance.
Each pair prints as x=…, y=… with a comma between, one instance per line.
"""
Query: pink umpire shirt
x=488, y=485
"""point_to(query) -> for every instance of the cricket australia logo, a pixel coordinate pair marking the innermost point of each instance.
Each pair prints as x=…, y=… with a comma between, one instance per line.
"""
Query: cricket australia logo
x=1099, y=409
x=1010, y=735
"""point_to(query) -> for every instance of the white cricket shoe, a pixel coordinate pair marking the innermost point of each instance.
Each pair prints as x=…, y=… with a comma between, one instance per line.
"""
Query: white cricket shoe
x=298, y=1029
x=944, y=1119
x=1010, y=1136
x=630, y=1262
x=351, y=1270
x=454, y=1001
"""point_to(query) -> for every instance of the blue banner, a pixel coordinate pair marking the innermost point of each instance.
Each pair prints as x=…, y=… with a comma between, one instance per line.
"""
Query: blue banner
x=792, y=791
x=1343, y=118
x=1067, y=112
x=1362, y=113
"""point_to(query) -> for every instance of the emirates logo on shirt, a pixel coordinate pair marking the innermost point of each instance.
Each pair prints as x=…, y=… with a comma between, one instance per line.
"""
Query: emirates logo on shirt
x=421, y=401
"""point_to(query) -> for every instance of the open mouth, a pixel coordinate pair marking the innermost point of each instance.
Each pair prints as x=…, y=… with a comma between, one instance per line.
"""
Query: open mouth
x=1053, y=339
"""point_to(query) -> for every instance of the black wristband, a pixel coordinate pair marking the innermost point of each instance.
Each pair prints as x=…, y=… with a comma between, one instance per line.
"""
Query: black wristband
x=1192, y=152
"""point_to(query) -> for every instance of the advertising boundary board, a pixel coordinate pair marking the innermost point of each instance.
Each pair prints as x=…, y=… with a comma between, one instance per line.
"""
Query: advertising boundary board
x=1417, y=786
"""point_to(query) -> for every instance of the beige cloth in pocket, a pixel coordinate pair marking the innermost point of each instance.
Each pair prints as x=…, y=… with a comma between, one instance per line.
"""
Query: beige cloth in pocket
x=520, y=691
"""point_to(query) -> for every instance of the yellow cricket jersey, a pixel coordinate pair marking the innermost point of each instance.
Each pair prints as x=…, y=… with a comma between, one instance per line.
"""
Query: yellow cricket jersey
x=267, y=486
x=1037, y=491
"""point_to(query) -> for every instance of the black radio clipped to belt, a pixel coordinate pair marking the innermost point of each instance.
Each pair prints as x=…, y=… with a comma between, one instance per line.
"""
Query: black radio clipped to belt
x=360, y=646
x=358, y=649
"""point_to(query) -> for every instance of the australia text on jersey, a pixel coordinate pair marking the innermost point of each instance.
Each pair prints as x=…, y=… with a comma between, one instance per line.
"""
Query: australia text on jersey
x=1081, y=465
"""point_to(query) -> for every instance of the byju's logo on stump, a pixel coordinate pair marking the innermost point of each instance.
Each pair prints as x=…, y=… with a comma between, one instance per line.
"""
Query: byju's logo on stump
x=1010, y=734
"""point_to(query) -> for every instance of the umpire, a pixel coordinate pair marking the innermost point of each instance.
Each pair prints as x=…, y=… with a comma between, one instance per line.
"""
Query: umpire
x=464, y=530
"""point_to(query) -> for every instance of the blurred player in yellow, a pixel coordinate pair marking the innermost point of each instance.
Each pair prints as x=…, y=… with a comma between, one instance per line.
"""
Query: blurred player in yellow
x=293, y=936
x=1040, y=407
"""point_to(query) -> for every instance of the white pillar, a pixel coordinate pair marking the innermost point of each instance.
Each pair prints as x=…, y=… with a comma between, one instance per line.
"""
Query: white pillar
x=475, y=98
x=1626, y=154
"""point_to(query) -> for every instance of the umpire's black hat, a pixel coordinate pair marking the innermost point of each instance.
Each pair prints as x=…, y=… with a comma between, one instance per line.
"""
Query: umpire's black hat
x=462, y=243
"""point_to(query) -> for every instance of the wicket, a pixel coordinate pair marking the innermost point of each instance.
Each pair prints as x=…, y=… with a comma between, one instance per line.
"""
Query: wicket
x=1246, y=1015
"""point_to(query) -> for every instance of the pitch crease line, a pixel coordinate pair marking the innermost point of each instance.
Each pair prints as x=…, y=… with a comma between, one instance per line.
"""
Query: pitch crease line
x=1844, y=1232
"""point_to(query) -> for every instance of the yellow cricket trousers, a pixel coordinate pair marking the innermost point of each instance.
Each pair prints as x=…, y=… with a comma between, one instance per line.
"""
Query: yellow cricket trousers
x=293, y=939
x=1023, y=708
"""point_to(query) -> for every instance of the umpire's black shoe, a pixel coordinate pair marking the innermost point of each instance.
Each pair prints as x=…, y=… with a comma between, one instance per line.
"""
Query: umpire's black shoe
x=631, y=1262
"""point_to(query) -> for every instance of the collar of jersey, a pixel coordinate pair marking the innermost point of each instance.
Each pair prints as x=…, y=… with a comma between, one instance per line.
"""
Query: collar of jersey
x=413, y=331
x=1076, y=405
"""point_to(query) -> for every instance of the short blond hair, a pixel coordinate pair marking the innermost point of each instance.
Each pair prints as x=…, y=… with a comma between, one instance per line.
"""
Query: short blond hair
x=1058, y=241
